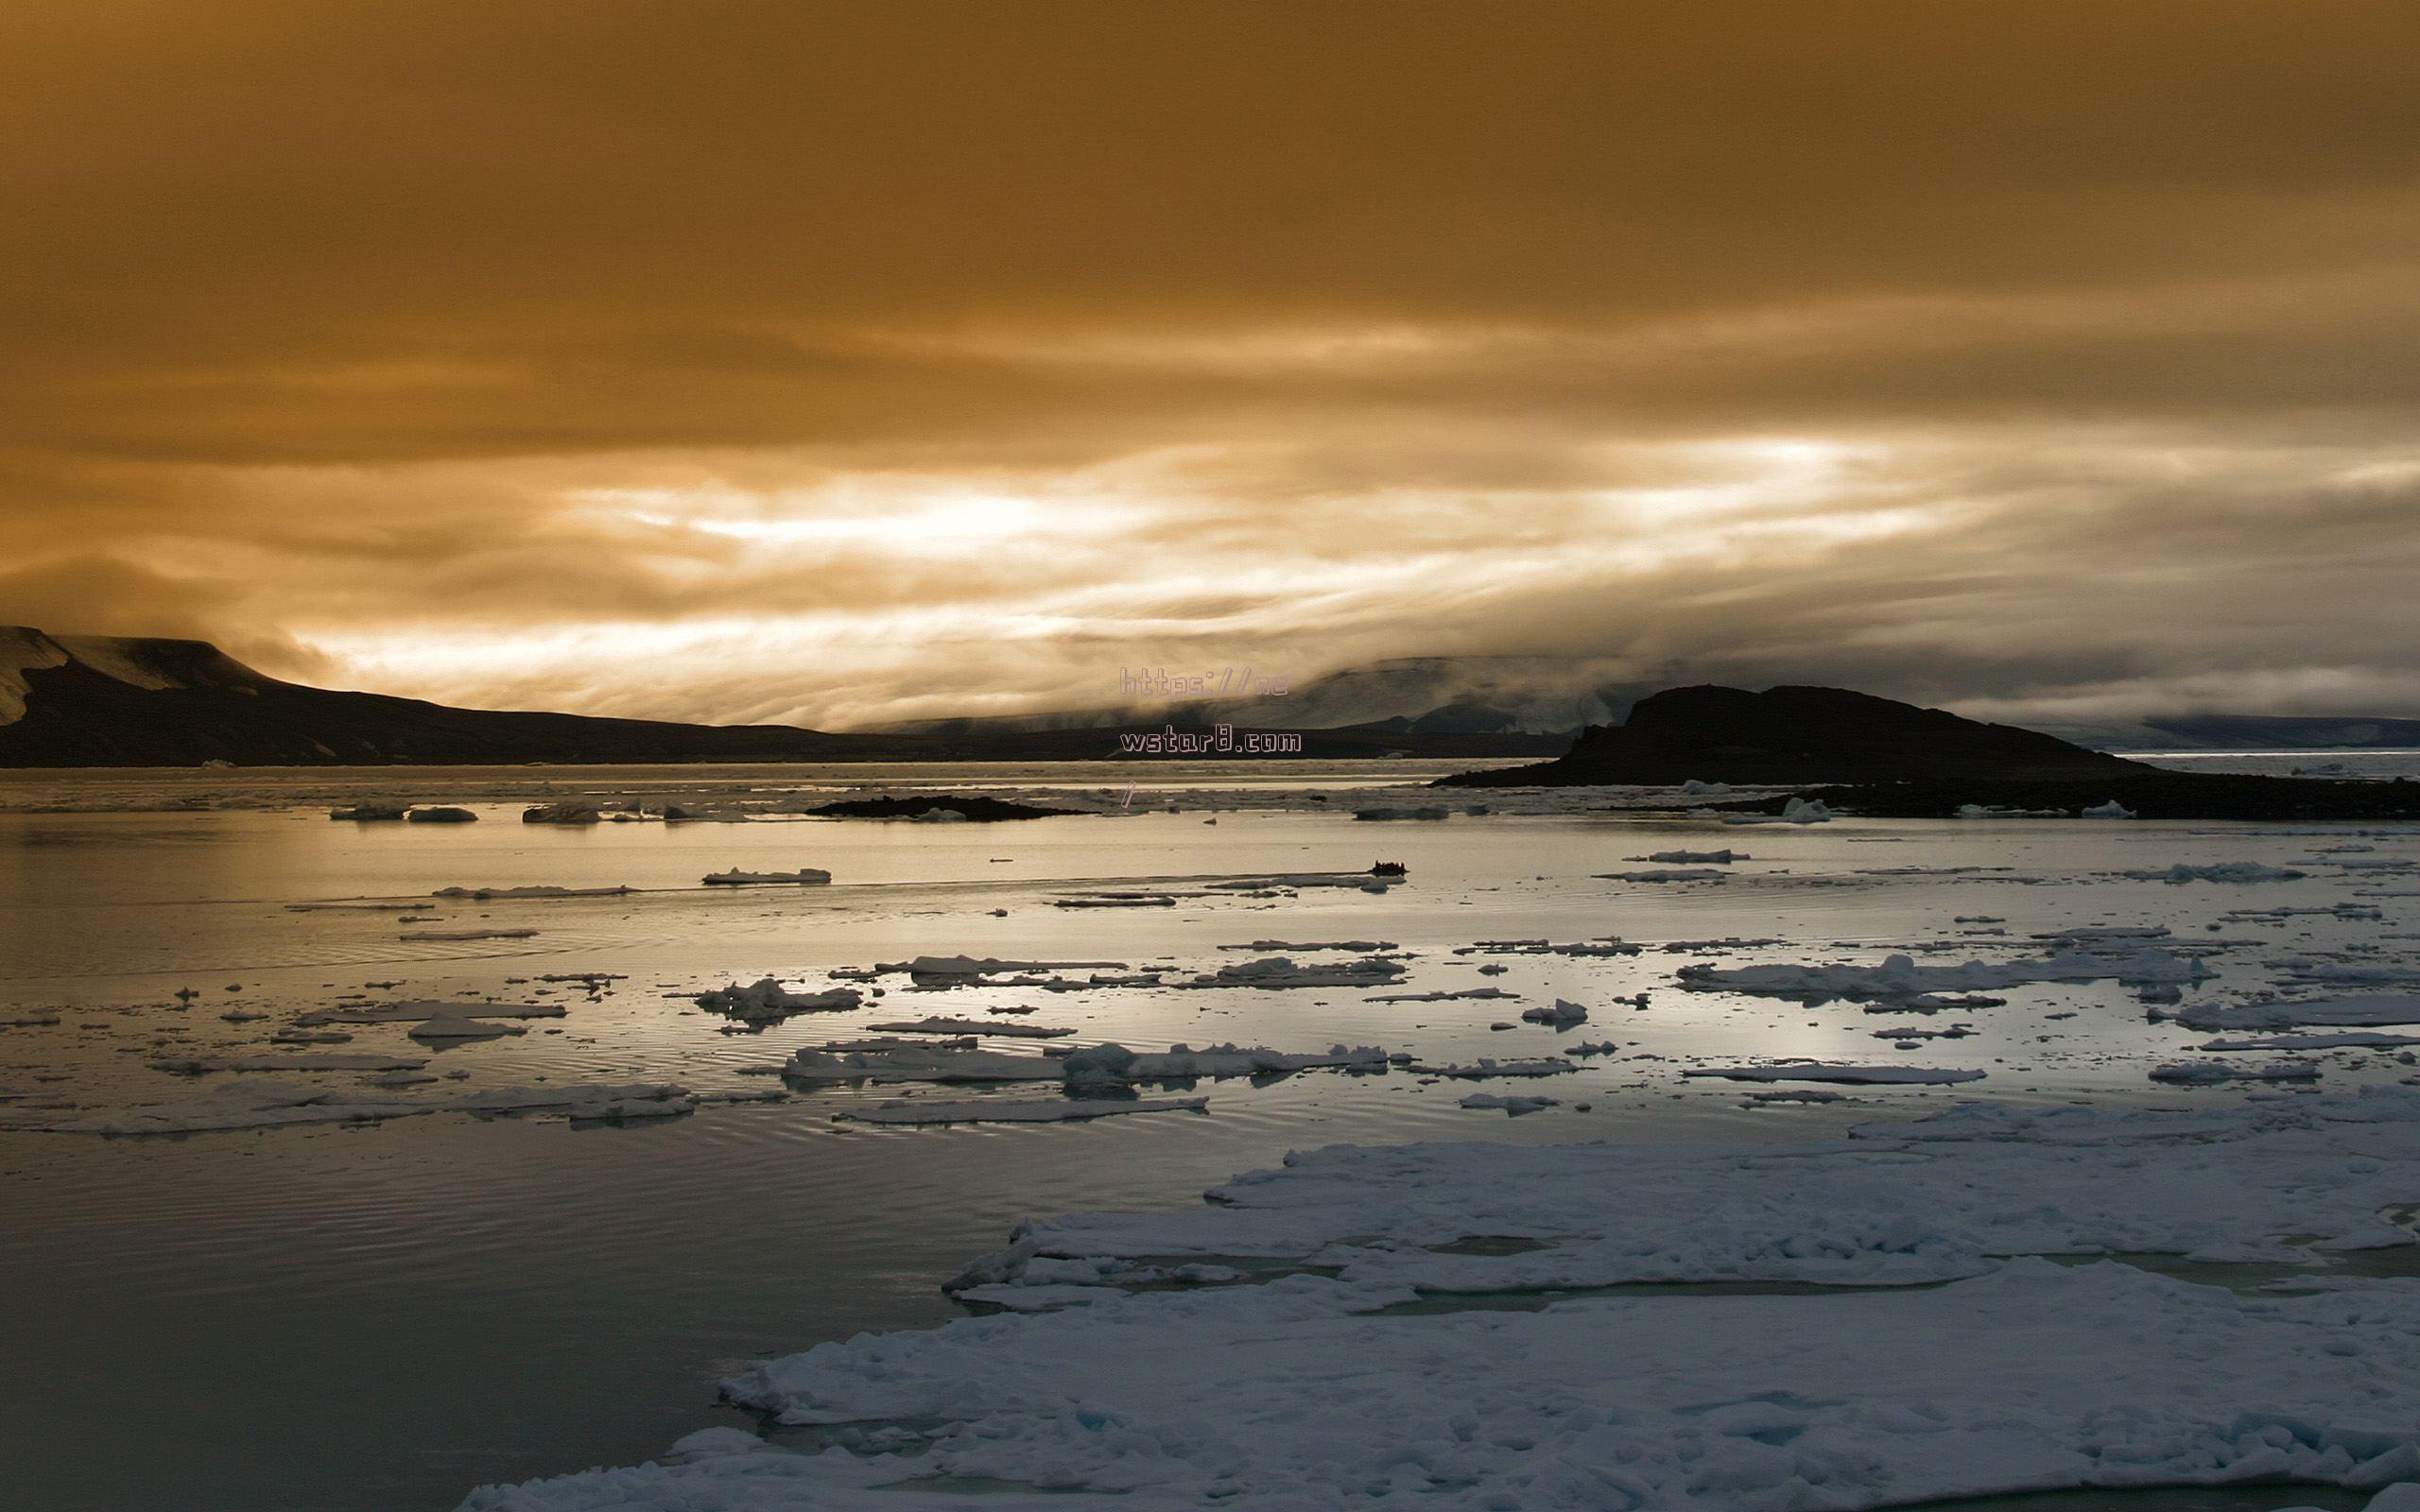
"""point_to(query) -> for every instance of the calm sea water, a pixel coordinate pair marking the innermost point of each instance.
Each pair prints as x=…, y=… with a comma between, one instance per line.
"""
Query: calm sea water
x=379, y=1317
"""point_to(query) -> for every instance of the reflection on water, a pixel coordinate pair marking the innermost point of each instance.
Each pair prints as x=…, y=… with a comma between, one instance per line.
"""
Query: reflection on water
x=378, y=1317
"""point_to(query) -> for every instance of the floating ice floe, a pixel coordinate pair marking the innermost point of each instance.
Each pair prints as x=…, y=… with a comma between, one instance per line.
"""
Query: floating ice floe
x=2355, y=1039
x=524, y=894
x=262, y=1104
x=2229, y=871
x=199, y=1066
x=898, y=1063
x=1666, y=874
x=1795, y=811
x=1108, y=1063
x=1315, y=1390
x=1514, y=1105
x=1608, y=946
x=1063, y=1110
x=462, y=935
x=766, y=1000
x=1563, y=1016
x=406, y=1012
x=1281, y=972
x=958, y=969
x=572, y=813
x=963, y=1027
x=1818, y=1071
x=634, y=1100
x=2384, y=1008
x=1693, y=858
x=1474, y=994
x=456, y=1026
x=2211, y=1072
x=1900, y=977
x=240, y=1104
x=1483, y=1068
x=1296, y=881
x=371, y=811
x=440, y=816
x=804, y=876
x=2111, y=810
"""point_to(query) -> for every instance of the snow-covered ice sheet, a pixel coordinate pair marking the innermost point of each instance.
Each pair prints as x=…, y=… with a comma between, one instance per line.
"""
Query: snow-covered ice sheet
x=1318, y=1391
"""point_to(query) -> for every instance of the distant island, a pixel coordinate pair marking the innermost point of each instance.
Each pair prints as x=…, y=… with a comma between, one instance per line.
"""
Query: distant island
x=1861, y=754
x=112, y=701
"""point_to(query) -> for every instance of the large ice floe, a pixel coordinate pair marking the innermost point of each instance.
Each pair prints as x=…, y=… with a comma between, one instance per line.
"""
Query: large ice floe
x=2342, y=1013
x=259, y=1103
x=1096, y=1066
x=1443, y=1326
x=766, y=1000
x=1283, y=972
x=1899, y=976
x=997, y=1110
x=1827, y=1071
x=804, y=876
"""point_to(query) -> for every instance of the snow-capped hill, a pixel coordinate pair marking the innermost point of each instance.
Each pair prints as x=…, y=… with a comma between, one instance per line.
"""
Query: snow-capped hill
x=150, y=665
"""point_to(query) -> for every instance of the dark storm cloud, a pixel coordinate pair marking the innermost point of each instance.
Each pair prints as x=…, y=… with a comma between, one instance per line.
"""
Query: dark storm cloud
x=831, y=359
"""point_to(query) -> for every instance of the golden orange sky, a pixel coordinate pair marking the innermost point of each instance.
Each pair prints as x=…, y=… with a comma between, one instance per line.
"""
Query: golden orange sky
x=838, y=363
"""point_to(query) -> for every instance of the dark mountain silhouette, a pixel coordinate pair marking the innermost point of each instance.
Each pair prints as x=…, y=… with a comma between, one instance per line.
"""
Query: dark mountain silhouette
x=1794, y=734
x=1860, y=754
x=108, y=701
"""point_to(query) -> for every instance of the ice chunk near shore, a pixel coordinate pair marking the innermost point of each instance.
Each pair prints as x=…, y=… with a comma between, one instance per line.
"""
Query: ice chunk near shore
x=804, y=876
x=2384, y=1008
x=1816, y=1070
x=372, y=812
x=1066, y=1110
x=1694, y=858
x=2111, y=810
x=2211, y=1072
x=766, y=1000
x=441, y=815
